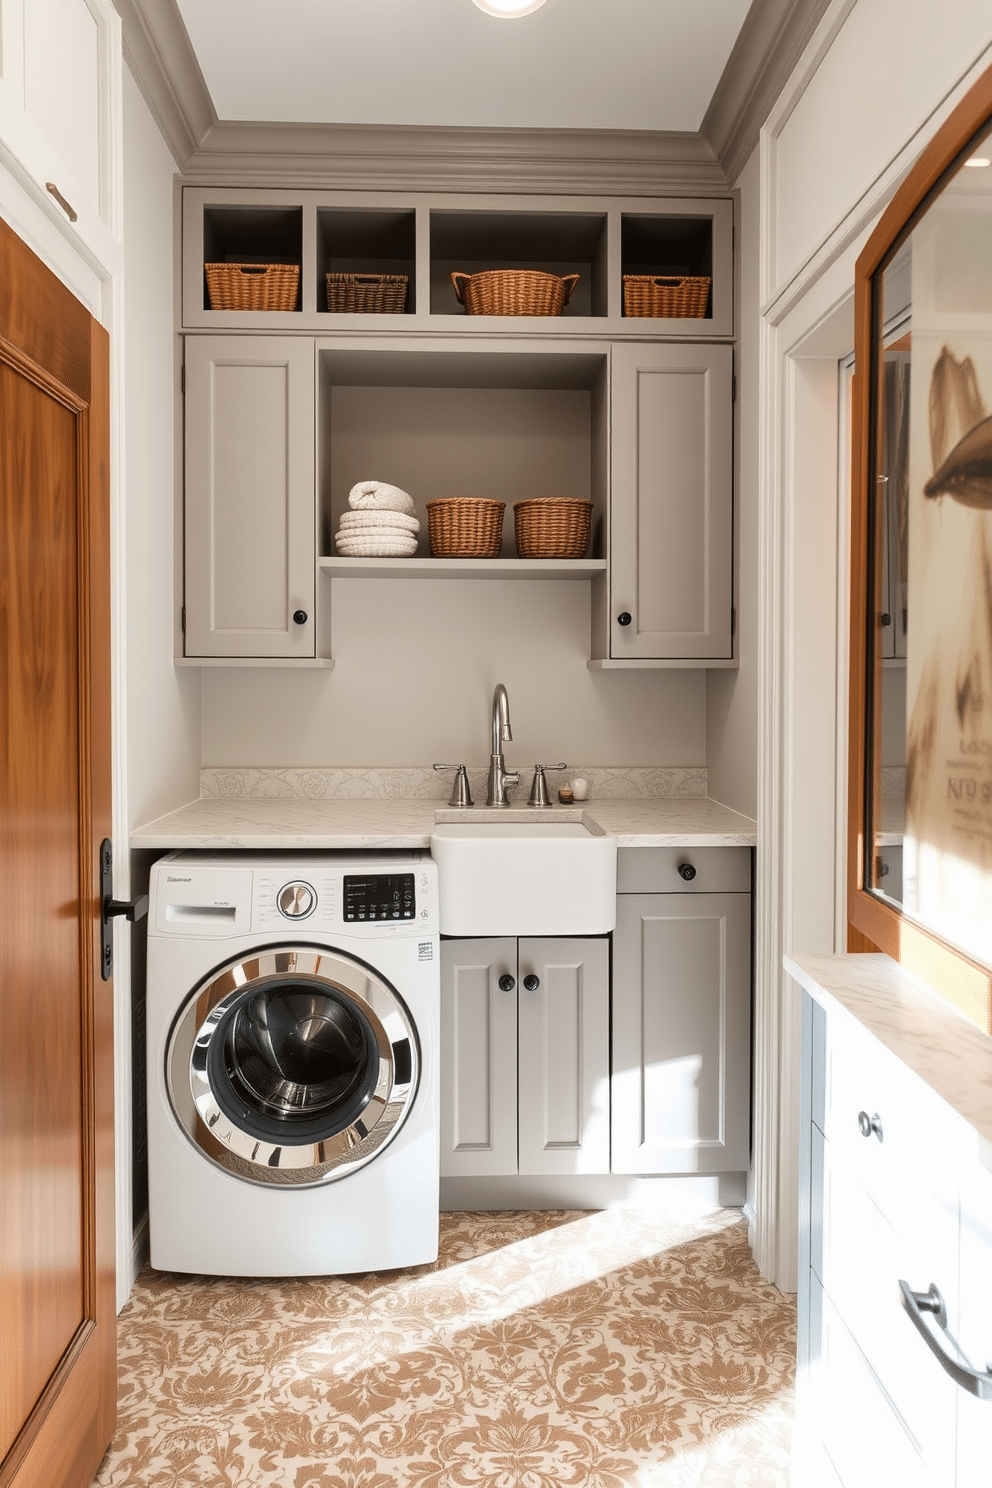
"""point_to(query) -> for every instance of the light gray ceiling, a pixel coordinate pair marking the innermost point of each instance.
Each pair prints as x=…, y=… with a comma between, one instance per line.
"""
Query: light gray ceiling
x=574, y=64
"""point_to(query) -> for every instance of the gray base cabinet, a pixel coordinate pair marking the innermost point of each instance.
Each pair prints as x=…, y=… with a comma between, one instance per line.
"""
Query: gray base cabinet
x=525, y=1074
x=681, y=1011
x=250, y=538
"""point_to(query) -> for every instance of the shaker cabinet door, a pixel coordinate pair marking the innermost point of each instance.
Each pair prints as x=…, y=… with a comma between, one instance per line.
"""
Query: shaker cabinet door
x=671, y=503
x=250, y=525
x=564, y=1101
x=478, y=1058
x=681, y=1033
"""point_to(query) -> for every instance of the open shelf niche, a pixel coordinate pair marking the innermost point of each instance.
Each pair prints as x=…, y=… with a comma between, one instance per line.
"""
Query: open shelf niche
x=441, y=421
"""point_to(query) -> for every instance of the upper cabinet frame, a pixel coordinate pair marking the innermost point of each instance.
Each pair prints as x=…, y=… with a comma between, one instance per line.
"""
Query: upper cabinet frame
x=427, y=237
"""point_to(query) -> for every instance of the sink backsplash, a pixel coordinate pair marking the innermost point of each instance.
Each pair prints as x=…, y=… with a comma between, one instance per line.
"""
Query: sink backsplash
x=609, y=782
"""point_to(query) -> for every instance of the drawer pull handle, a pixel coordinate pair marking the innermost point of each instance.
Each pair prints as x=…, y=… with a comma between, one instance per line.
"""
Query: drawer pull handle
x=870, y=1124
x=952, y=1360
x=686, y=871
x=69, y=211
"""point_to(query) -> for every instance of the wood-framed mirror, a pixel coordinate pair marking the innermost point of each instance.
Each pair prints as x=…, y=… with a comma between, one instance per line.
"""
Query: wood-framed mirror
x=920, y=761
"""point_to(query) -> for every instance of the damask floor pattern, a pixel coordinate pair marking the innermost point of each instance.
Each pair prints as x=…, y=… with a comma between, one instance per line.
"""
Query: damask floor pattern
x=616, y=1349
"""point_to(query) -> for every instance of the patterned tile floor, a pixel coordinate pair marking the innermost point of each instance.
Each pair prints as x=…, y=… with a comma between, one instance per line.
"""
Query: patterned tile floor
x=618, y=1349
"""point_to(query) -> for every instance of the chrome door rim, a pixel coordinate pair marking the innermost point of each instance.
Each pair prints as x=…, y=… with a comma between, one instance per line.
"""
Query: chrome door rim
x=314, y=1159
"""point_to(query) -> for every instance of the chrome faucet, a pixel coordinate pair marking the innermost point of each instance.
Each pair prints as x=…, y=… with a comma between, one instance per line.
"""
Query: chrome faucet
x=499, y=776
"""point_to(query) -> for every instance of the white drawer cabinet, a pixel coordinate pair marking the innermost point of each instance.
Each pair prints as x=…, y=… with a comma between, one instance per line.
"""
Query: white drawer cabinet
x=525, y=1056
x=681, y=1011
x=60, y=92
x=892, y=1192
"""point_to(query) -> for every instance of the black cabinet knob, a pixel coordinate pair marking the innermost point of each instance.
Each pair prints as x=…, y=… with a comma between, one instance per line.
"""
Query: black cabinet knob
x=531, y=983
x=886, y=619
x=624, y=617
x=507, y=983
x=686, y=871
x=300, y=617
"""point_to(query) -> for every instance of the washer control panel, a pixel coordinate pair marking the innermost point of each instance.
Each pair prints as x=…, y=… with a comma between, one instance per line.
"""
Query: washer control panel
x=378, y=896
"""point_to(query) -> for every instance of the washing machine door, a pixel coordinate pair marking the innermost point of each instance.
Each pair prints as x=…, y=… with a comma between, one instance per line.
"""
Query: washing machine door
x=293, y=1065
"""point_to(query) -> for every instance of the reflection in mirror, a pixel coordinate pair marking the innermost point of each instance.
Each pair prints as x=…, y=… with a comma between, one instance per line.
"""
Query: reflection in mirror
x=930, y=716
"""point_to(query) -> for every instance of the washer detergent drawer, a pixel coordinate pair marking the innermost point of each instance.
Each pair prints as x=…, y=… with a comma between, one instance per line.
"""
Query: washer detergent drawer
x=190, y=903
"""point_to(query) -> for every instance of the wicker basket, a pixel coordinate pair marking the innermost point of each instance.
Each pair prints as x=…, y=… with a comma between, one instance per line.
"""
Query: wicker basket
x=552, y=527
x=240, y=286
x=366, y=294
x=672, y=295
x=465, y=527
x=514, y=292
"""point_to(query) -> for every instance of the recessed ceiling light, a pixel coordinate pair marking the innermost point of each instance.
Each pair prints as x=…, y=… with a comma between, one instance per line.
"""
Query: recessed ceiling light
x=978, y=161
x=509, y=10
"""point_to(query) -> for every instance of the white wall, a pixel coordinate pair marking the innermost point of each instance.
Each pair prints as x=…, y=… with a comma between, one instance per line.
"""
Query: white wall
x=732, y=696
x=415, y=666
x=163, y=703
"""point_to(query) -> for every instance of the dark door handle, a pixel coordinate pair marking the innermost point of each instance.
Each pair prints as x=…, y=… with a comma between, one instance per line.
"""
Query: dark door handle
x=686, y=871
x=131, y=909
x=624, y=617
x=506, y=983
x=531, y=983
x=300, y=617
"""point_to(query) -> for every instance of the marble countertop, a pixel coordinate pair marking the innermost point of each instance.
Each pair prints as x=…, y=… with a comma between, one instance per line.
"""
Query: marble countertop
x=942, y=1046
x=222, y=822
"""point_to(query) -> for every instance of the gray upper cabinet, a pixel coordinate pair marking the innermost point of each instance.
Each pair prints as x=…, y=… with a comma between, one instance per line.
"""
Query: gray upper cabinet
x=671, y=505
x=249, y=532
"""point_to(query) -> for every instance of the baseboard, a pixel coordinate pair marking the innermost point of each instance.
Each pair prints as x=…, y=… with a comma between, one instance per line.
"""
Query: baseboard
x=684, y=1192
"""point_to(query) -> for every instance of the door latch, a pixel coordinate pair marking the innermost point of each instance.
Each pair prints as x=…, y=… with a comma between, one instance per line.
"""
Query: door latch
x=131, y=909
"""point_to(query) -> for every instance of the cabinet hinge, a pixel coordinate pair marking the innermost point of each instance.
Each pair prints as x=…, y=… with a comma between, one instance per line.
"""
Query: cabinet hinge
x=733, y=620
x=183, y=376
x=182, y=619
x=733, y=388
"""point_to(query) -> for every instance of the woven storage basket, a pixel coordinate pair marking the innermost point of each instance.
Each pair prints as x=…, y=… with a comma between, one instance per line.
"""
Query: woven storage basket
x=672, y=295
x=236, y=286
x=465, y=527
x=366, y=294
x=552, y=527
x=514, y=292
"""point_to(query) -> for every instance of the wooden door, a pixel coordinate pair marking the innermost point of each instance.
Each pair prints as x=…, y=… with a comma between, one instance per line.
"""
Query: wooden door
x=250, y=527
x=57, y=1303
x=681, y=1033
x=563, y=1107
x=671, y=503
x=478, y=1058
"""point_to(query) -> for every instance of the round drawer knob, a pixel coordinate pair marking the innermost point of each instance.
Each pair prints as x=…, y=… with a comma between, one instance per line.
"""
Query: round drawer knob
x=507, y=983
x=624, y=617
x=531, y=983
x=686, y=871
x=300, y=617
x=868, y=1125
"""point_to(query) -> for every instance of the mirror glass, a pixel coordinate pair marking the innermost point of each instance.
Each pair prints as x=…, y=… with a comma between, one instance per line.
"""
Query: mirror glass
x=929, y=713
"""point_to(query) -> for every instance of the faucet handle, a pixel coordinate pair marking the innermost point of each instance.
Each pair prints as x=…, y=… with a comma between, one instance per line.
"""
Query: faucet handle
x=539, y=788
x=460, y=793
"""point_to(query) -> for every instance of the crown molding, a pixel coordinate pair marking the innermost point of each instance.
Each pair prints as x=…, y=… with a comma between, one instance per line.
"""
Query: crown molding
x=160, y=55
x=773, y=37
x=424, y=158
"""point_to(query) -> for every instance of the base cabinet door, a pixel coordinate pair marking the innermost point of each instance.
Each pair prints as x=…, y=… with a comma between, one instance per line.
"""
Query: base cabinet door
x=250, y=525
x=681, y=1033
x=524, y=1056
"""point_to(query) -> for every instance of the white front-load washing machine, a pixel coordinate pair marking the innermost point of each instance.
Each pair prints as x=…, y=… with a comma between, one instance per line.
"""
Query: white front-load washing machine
x=293, y=1013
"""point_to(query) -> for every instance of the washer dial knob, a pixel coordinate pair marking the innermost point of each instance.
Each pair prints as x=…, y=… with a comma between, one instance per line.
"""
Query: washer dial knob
x=296, y=901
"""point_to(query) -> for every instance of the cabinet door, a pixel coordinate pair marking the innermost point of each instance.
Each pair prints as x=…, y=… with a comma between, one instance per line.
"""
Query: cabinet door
x=671, y=502
x=975, y=1332
x=250, y=525
x=60, y=90
x=681, y=1033
x=564, y=1071
x=478, y=1058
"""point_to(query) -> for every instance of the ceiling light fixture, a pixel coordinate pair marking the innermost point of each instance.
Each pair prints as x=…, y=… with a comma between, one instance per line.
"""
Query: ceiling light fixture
x=509, y=10
x=977, y=162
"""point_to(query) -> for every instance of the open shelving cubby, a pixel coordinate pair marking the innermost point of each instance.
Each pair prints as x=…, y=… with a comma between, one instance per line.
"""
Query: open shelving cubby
x=252, y=235
x=473, y=241
x=373, y=240
x=444, y=420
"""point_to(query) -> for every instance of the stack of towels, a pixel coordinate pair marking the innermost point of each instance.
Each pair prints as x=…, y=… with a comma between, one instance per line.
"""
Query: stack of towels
x=380, y=523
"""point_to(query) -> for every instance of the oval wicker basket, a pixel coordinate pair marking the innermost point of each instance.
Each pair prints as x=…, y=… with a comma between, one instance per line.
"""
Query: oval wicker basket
x=242, y=286
x=514, y=291
x=465, y=527
x=552, y=527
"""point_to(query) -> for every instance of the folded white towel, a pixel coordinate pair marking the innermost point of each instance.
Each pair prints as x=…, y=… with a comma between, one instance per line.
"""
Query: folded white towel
x=356, y=521
x=378, y=495
x=393, y=545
